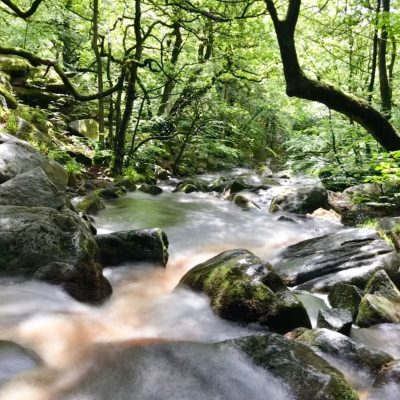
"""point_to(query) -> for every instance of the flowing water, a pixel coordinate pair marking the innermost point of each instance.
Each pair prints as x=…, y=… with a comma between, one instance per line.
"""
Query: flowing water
x=148, y=341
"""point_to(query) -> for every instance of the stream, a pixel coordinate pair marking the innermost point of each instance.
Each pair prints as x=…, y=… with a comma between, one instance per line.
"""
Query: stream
x=150, y=341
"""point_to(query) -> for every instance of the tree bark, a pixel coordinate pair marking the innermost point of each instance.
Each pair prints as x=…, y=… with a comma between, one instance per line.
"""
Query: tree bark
x=299, y=85
x=374, y=57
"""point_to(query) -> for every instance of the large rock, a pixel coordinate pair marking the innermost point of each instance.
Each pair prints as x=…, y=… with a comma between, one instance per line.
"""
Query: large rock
x=307, y=374
x=33, y=237
x=141, y=245
x=90, y=203
x=88, y=128
x=349, y=256
x=300, y=200
x=243, y=288
x=381, y=284
x=335, y=319
x=17, y=157
x=31, y=189
x=375, y=309
x=348, y=297
x=339, y=349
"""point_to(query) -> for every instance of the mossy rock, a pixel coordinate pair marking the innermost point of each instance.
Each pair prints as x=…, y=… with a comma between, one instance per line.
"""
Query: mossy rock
x=343, y=295
x=244, y=203
x=335, y=319
x=375, y=309
x=91, y=203
x=150, y=189
x=16, y=67
x=243, y=288
x=381, y=284
x=11, y=101
x=307, y=374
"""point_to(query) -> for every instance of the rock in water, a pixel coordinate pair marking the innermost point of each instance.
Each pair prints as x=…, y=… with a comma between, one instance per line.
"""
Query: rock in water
x=349, y=256
x=335, y=319
x=243, y=288
x=301, y=200
x=375, y=309
x=307, y=374
x=382, y=285
x=148, y=245
x=343, y=295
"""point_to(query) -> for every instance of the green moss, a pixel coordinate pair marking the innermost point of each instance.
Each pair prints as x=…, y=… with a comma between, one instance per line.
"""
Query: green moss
x=11, y=101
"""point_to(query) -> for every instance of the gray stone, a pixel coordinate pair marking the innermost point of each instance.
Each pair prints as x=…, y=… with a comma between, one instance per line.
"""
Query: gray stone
x=348, y=256
x=150, y=189
x=243, y=288
x=141, y=245
x=343, y=295
x=300, y=200
x=31, y=189
x=335, y=319
x=381, y=284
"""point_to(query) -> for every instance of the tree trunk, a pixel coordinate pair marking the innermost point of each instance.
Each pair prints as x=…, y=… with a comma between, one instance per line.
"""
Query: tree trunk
x=374, y=57
x=299, y=85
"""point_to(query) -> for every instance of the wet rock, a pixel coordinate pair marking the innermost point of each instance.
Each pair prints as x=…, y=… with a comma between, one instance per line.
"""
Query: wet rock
x=31, y=189
x=126, y=184
x=243, y=288
x=335, y=319
x=307, y=374
x=375, y=309
x=300, y=200
x=348, y=256
x=150, y=189
x=345, y=296
x=32, y=237
x=84, y=283
x=337, y=348
x=382, y=285
x=360, y=213
x=244, y=203
x=88, y=128
x=15, y=359
x=91, y=203
x=191, y=185
x=390, y=373
x=148, y=245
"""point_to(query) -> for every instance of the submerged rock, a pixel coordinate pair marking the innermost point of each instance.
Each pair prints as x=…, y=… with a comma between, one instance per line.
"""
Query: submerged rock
x=15, y=359
x=307, y=374
x=243, y=288
x=338, y=348
x=375, y=309
x=349, y=256
x=348, y=297
x=335, y=319
x=302, y=200
x=150, y=189
x=148, y=245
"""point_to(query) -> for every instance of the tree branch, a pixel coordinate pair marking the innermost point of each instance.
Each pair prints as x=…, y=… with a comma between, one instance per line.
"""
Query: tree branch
x=18, y=12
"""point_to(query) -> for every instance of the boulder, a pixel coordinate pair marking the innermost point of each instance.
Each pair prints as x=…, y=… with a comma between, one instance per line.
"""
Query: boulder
x=88, y=128
x=141, y=245
x=243, y=288
x=151, y=189
x=390, y=373
x=31, y=189
x=366, y=190
x=15, y=359
x=376, y=309
x=306, y=373
x=191, y=185
x=335, y=319
x=382, y=285
x=339, y=349
x=345, y=296
x=10, y=101
x=17, y=157
x=33, y=237
x=91, y=203
x=300, y=200
x=244, y=203
x=347, y=256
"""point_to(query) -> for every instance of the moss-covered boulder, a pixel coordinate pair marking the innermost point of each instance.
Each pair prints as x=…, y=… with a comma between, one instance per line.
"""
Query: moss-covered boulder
x=307, y=374
x=15, y=67
x=191, y=185
x=338, y=349
x=376, y=309
x=11, y=101
x=300, y=200
x=91, y=203
x=243, y=288
x=141, y=245
x=335, y=319
x=245, y=203
x=88, y=128
x=381, y=284
x=345, y=296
